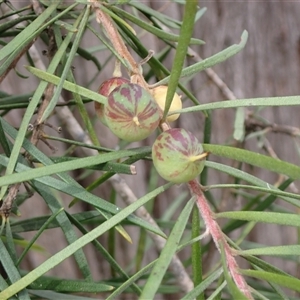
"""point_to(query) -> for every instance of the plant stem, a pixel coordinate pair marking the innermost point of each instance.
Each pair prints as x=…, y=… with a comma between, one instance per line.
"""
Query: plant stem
x=218, y=237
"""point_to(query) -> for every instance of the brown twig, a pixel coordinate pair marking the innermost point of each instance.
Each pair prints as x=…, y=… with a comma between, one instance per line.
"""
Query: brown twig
x=15, y=61
x=254, y=125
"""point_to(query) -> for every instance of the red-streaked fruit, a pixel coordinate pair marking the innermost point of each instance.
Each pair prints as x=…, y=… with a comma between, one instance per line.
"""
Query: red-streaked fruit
x=159, y=94
x=178, y=156
x=131, y=113
x=105, y=89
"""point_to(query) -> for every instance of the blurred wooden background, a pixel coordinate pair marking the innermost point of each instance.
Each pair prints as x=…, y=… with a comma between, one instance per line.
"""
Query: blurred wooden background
x=268, y=66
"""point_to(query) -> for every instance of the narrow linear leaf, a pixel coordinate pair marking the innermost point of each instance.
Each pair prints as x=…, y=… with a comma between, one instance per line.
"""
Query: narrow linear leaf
x=211, y=61
x=77, y=191
x=10, y=268
x=255, y=159
x=51, y=105
x=81, y=242
x=286, y=281
x=268, y=190
x=11, y=23
x=154, y=30
x=276, y=251
x=65, y=285
x=58, y=296
x=261, y=216
x=40, y=231
x=67, y=85
x=167, y=253
x=131, y=280
x=64, y=166
x=15, y=47
x=28, y=115
x=250, y=102
x=23, y=35
x=186, y=32
x=203, y=285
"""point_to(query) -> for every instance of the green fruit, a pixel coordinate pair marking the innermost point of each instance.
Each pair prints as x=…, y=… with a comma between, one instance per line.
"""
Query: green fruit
x=131, y=113
x=178, y=156
x=105, y=89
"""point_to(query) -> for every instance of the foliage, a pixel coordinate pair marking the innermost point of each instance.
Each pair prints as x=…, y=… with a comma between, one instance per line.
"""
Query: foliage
x=48, y=176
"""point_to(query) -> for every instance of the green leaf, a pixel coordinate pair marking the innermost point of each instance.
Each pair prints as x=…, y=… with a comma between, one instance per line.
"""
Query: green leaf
x=255, y=159
x=79, y=192
x=10, y=269
x=196, y=252
x=261, y=216
x=63, y=167
x=186, y=32
x=57, y=296
x=65, y=285
x=167, y=253
x=22, y=37
x=76, y=190
x=203, y=285
x=250, y=102
x=40, y=231
x=74, y=88
x=81, y=242
x=82, y=19
x=276, y=251
x=209, y=62
x=11, y=23
x=154, y=30
x=286, y=281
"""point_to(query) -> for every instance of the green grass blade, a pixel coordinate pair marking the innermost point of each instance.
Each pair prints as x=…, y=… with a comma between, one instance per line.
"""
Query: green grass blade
x=46, y=294
x=261, y=216
x=40, y=231
x=67, y=65
x=64, y=166
x=167, y=253
x=22, y=37
x=106, y=255
x=28, y=116
x=186, y=32
x=267, y=190
x=196, y=252
x=255, y=159
x=211, y=61
x=154, y=30
x=79, y=192
x=251, y=102
x=10, y=269
x=19, y=47
x=67, y=85
x=69, y=286
x=81, y=242
x=131, y=280
x=203, y=285
x=286, y=281
x=66, y=227
x=276, y=250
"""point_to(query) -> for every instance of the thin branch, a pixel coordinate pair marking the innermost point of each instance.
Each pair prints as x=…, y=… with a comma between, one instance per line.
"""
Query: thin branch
x=15, y=61
x=253, y=125
x=218, y=237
